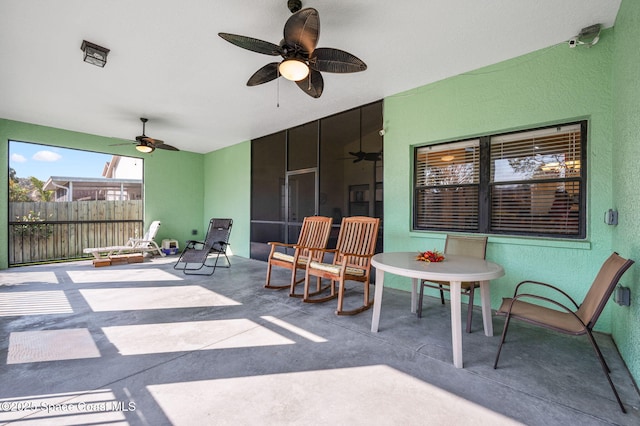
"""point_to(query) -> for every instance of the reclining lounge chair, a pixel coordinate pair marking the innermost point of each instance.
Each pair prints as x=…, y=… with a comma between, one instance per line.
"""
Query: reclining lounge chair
x=145, y=244
x=196, y=253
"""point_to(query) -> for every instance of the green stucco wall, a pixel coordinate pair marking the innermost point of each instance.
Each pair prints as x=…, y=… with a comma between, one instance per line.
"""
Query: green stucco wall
x=227, y=177
x=553, y=85
x=626, y=174
x=174, y=184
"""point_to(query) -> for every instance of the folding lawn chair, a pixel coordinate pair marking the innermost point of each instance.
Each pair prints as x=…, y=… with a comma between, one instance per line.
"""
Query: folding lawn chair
x=196, y=253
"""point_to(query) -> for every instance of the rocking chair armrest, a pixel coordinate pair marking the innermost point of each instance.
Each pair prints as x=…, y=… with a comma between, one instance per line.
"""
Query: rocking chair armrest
x=300, y=246
x=275, y=243
x=356, y=255
x=515, y=294
x=346, y=256
x=312, y=250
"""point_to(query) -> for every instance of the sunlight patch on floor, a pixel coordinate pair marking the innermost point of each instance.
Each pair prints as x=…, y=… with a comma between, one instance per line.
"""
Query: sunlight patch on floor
x=85, y=408
x=191, y=336
x=34, y=303
x=51, y=345
x=166, y=297
x=339, y=396
x=294, y=329
x=22, y=278
x=119, y=275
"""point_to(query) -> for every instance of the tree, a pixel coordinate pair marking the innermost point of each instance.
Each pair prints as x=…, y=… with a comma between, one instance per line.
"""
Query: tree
x=17, y=192
x=27, y=189
x=42, y=195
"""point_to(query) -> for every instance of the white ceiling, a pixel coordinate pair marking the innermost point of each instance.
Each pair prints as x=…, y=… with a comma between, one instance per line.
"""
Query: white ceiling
x=167, y=62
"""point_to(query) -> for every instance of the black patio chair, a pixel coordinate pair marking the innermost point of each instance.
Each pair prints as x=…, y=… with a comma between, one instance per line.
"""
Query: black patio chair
x=196, y=253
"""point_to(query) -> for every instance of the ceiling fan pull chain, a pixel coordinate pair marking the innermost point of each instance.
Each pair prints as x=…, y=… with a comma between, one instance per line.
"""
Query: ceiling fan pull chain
x=278, y=89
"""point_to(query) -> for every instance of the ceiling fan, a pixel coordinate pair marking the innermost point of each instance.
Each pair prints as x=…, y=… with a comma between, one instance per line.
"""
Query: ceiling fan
x=362, y=155
x=367, y=156
x=302, y=61
x=146, y=144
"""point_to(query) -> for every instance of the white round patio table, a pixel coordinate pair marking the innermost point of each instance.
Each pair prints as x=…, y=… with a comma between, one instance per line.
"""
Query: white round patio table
x=455, y=269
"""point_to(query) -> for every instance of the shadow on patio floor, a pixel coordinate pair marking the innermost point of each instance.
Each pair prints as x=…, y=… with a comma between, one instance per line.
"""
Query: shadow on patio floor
x=142, y=344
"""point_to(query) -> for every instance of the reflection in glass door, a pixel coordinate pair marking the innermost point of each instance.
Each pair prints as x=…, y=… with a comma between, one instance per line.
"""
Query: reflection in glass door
x=311, y=169
x=301, y=200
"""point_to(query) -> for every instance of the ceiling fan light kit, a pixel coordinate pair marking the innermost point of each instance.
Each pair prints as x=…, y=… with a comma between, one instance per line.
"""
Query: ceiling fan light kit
x=302, y=61
x=293, y=69
x=145, y=148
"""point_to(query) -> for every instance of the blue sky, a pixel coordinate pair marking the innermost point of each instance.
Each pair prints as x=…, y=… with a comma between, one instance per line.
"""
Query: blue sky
x=43, y=161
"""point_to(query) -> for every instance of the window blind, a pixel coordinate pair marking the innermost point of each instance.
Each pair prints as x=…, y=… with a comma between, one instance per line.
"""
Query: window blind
x=536, y=181
x=446, y=182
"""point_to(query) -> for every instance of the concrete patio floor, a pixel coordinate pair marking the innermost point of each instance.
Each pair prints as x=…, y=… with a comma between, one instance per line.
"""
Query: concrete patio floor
x=142, y=344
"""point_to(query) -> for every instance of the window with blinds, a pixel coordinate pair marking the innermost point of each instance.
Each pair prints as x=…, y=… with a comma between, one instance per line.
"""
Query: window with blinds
x=524, y=183
x=536, y=181
x=447, y=180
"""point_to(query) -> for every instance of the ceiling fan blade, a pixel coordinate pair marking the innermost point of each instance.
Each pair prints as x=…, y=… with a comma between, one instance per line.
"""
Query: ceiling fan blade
x=303, y=29
x=373, y=156
x=165, y=146
x=122, y=144
x=265, y=74
x=360, y=155
x=147, y=139
x=252, y=44
x=335, y=60
x=312, y=85
x=156, y=143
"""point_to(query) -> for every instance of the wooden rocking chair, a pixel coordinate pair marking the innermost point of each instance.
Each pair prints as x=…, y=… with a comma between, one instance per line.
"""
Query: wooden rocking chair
x=314, y=234
x=351, y=262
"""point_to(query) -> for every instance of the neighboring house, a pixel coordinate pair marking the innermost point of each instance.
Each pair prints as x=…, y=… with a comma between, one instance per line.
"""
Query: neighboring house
x=122, y=181
x=123, y=168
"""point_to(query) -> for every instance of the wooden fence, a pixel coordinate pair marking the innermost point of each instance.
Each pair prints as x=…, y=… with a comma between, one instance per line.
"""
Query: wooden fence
x=52, y=231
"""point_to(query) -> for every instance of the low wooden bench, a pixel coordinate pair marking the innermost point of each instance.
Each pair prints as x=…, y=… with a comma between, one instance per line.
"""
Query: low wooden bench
x=119, y=259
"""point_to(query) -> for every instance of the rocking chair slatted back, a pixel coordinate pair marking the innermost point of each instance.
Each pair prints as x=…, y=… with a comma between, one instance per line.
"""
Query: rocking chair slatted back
x=358, y=235
x=314, y=234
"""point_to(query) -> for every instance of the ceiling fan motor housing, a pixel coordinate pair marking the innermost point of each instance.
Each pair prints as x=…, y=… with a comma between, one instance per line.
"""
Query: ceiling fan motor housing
x=294, y=5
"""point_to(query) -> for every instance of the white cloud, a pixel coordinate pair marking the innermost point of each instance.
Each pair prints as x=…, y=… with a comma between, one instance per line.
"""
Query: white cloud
x=18, y=158
x=46, y=156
